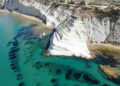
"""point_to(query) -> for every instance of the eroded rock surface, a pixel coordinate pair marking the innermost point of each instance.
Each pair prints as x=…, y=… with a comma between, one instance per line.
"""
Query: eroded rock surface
x=74, y=26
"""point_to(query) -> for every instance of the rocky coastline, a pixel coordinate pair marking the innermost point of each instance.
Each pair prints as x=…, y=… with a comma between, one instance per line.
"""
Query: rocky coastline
x=81, y=25
x=110, y=71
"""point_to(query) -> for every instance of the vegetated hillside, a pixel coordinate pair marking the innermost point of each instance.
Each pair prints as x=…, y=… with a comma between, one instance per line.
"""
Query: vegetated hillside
x=83, y=2
x=105, y=2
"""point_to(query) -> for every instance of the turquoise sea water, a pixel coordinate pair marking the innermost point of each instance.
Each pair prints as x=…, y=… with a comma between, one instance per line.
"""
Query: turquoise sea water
x=8, y=29
x=22, y=63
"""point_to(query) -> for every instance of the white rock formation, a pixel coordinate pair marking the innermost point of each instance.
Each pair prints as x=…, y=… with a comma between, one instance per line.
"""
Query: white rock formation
x=70, y=39
x=97, y=31
x=2, y=2
x=72, y=34
x=117, y=31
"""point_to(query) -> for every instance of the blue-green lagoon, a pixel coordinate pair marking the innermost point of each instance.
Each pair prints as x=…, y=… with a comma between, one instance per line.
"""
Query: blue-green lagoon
x=22, y=63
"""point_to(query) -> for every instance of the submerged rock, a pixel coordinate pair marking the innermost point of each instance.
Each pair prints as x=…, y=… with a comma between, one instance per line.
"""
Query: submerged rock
x=15, y=43
x=116, y=81
x=77, y=75
x=13, y=68
x=47, y=64
x=58, y=71
x=37, y=65
x=53, y=80
x=90, y=80
x=13, y=57
x=105, y=85
x=21, y=84
x=68, y=74
x=13, y=64
x=110, y=71
x=9, y=43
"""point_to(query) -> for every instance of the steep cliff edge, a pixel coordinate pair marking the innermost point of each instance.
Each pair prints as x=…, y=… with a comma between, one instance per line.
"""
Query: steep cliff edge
x=2, y=3
x=74, y=26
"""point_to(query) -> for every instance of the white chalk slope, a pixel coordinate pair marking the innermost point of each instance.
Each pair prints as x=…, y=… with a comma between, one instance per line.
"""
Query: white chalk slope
x=70, y=39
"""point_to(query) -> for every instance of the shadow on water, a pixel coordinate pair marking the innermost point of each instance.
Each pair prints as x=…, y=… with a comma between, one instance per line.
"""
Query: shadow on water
x=48, y=44
x=105, y=59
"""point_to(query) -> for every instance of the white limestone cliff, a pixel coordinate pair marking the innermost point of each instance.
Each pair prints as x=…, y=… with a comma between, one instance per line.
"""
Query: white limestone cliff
x=72, y=34
x=2, y=3
x=70, y=39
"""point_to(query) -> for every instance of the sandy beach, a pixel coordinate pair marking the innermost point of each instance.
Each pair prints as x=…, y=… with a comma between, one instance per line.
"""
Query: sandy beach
x=23, y=17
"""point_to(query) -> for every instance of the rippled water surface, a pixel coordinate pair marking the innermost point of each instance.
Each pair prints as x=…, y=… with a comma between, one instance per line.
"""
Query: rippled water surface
x=22, y=63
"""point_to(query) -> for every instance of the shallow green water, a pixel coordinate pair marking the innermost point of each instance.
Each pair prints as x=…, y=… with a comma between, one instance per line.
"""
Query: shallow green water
x=22, y=63
x=8, y=29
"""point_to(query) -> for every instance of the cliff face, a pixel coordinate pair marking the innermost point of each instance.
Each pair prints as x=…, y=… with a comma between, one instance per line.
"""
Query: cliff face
x=73, y=32
x=1, y=3
x=101, y=30
x=70, y=39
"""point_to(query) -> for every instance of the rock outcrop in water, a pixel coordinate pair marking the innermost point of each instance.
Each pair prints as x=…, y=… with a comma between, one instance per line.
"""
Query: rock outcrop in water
x=110, y=71
x=74, y=26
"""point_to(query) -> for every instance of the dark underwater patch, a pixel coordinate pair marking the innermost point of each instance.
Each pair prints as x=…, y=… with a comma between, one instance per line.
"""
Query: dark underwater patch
x=15, y=43
x=77, y=75
x=53, y=80
x=76, y=85
x=87, y=78
x=9, y=43
x=13, y=57
x=55, y=85
x=19, y=76
x=47, y=64
x=106, y=60
x=58, y=71
x=105, y=85
x=21, y=84
x=68, y=74
x=37, y=65
x=116, y=81
x=14, y=49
